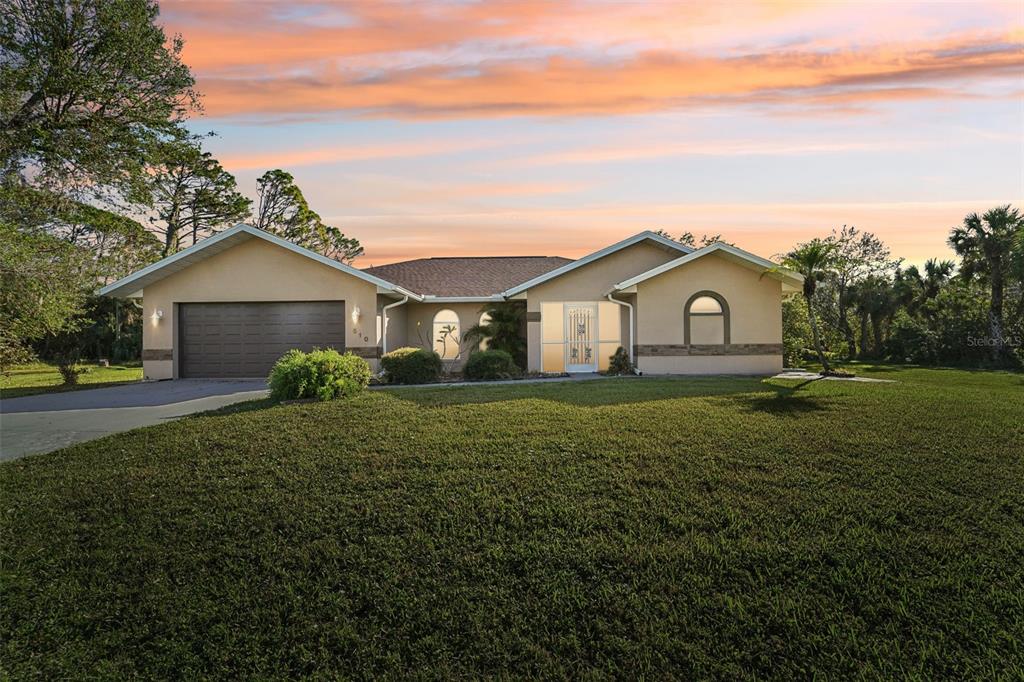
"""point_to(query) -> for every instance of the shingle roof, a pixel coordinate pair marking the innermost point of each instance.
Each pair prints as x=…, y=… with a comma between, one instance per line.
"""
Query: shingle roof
x=475, y=276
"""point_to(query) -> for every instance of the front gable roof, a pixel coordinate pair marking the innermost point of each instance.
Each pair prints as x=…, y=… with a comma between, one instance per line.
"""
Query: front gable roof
x=608, y=250
x=221, y=241
x=791, y=281
x=448, y=278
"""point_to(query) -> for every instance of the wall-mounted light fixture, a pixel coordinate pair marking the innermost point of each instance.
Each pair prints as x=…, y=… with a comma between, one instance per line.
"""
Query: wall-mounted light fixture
x=157, y=316
x=356, y=315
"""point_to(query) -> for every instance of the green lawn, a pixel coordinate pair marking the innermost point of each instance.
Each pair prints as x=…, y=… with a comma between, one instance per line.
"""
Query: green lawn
x=40, y=377
x=695, y=528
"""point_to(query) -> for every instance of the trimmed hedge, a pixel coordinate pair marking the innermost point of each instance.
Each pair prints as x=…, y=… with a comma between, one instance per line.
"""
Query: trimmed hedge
x=320, y=374
x=488, y=365
x=411, y=366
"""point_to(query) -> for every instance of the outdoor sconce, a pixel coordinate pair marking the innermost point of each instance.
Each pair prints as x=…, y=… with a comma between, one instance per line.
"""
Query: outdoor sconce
x=157, y=315
x=356, y=315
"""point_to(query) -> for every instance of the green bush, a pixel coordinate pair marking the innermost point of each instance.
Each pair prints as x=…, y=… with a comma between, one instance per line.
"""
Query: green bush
x=320, y=374
x=489, y=365
x=910, y=340
x=796, y=332
x=411, y=366
x=619, y=362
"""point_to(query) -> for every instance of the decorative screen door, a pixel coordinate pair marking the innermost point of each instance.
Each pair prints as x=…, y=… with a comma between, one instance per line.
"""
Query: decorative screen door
x=580, y=338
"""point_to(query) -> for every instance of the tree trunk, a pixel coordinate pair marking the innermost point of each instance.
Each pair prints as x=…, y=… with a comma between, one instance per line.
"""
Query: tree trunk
x=171, y=236
x=876, y=328
x=864, y=334
x=995, y=313
x=817, y=339
x=844, y=324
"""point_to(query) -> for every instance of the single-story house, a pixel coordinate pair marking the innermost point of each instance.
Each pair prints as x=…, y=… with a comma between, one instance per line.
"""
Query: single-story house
x=230, y=305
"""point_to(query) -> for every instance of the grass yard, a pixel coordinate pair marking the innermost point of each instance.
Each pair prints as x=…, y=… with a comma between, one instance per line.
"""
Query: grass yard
x=696, y=528
x=40, y=377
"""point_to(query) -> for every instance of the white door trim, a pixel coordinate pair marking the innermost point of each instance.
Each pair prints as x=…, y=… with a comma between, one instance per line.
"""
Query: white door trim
x=589, y=342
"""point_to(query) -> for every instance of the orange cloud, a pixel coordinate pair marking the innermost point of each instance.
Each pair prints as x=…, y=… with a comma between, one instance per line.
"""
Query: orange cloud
x=335, y=154
x=231, y=34
x=536, y=57
x=650, y=81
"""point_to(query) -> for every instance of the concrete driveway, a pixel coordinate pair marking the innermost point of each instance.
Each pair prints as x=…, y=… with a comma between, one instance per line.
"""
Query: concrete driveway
x=45, y=422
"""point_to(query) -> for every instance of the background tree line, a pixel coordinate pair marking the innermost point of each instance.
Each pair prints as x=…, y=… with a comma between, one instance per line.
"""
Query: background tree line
x=860, y=303
x=99, y=175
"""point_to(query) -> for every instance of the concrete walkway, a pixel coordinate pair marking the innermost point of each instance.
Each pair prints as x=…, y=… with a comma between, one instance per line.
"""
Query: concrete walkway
x=503, y=382
x=49, y=421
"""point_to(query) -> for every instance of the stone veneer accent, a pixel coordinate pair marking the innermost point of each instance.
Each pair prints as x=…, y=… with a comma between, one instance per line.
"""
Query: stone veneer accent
x=365, y=352
x=157, y=354
x=676, y=350
x=533, y=316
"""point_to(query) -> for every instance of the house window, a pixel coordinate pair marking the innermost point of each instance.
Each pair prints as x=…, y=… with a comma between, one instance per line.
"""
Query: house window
x=706, y=319
x=484, y=319
x=447, y=334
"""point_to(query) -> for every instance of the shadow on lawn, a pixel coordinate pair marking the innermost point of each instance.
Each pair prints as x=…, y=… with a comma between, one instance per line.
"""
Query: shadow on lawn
x=753, y=392
x=234, y=408
x=785, y=402
x=747, y=393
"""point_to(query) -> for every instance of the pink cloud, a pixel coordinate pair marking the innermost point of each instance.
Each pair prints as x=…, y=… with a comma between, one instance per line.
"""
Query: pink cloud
x=651, y=81
x=534, y=57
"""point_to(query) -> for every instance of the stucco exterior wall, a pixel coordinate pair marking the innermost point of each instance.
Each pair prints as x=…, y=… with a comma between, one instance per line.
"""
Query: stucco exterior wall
x=419, y=323
x=755, y=320
x=590, y=282
x=252, y=271
x=396, y=326
x=739, y=364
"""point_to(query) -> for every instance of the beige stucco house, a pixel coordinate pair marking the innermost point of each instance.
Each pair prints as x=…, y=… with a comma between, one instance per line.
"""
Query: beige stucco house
x=230, y=305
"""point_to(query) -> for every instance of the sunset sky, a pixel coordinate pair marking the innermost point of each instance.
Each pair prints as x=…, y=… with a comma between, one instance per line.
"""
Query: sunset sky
x=556, y=128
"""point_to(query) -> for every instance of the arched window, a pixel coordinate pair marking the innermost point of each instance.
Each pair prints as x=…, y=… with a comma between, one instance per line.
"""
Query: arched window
x=484, y=319
x=447, y=334
x=706, y=319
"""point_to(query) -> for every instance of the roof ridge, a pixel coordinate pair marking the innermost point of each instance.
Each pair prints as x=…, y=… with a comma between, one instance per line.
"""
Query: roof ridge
x=439, y=258
x=454, y=257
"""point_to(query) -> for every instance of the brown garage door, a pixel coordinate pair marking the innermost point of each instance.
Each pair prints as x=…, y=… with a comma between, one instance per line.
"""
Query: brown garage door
x=245, y=339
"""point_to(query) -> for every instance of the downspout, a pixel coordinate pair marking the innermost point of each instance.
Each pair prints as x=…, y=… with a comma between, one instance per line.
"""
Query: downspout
x=384, y=323
x=630, y=349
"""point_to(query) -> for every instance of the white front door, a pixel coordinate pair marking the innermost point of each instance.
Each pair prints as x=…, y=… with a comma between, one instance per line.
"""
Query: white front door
x=580, y=337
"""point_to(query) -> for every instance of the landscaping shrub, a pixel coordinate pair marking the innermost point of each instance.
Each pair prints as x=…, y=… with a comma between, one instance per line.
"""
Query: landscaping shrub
x=411, y=366
x=505, y=329
x=320, y=374
x=910, y=340
x=488, y=365
x=619, y=362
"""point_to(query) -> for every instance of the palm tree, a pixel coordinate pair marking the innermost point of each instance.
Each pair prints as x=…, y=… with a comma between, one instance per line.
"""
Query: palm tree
x=814, y=261
x=913, y=290
x=880, y=301
x=936, y=273
x=503, y=331
x=985, y=243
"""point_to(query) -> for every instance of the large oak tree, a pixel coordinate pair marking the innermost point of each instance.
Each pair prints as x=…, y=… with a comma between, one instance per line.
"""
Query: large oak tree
x=86, y=87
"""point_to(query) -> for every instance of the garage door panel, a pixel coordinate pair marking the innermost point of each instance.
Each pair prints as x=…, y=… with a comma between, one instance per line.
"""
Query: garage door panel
x=245, y=339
